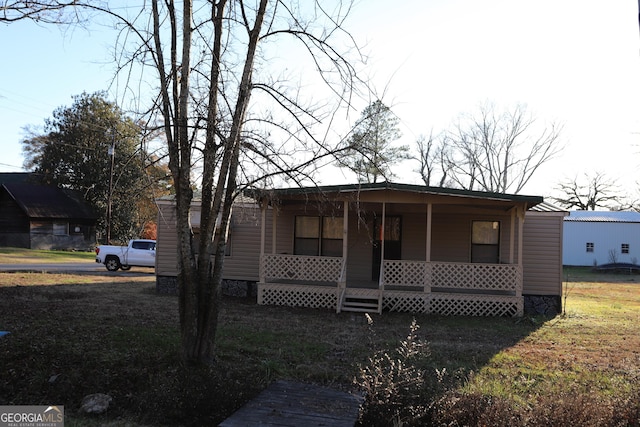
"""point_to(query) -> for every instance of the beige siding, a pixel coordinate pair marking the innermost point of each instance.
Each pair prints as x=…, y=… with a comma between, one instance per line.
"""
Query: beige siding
x=414, y=235
x=451, y=241
x=285, y=223
x=543, y=253
x=243, y=261
x=360, y=249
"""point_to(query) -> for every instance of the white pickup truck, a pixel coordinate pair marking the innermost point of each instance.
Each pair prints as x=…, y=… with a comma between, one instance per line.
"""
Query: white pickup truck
x=139, y=253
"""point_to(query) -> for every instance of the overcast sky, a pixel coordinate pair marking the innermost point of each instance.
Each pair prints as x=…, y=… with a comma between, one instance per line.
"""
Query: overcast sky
x=573, y=61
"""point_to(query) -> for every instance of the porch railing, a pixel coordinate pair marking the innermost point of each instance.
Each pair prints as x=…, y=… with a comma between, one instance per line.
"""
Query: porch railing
x=499, y=278
x=299, y=268
x=445, y=288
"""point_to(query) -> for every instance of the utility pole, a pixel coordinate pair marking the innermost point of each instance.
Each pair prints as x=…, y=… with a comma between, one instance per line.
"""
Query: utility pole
x=112, y=154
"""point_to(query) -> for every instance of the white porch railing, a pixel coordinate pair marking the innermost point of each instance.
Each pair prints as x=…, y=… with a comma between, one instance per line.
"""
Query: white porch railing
x=301, y=268
x=301, y=281
x=417, y=286
x=501, y=278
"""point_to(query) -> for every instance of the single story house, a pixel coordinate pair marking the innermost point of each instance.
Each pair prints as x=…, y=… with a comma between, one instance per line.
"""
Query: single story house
x=37, y=216
x=594, y=238
x=386, y=246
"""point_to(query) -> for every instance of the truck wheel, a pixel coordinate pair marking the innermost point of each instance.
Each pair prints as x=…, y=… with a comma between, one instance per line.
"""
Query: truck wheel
x=112, y=263
x=125, y=267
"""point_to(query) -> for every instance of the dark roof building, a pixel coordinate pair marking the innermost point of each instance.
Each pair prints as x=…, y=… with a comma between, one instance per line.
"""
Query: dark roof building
x=43, y=217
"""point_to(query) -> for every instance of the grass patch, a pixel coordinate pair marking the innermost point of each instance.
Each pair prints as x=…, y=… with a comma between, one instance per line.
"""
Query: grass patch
x=28, y=256
x=53, y=279
x=73, y=335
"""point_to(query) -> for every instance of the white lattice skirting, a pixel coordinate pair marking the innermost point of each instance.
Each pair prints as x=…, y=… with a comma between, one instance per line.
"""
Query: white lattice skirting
x=298, y=295
x=453, y=304
x=444, y=304
x=476, y=305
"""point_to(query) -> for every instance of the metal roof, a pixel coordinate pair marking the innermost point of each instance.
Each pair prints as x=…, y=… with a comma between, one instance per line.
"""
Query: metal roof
x=603, y=216
x=548, y=207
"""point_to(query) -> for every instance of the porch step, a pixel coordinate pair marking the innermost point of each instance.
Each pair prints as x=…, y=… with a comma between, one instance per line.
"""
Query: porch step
x=360, y=303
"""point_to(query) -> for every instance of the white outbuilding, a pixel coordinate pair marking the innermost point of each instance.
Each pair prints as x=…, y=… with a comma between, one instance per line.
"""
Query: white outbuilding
x=595, y=238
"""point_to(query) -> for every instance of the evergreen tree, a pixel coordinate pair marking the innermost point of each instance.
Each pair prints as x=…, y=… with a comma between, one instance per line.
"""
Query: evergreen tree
x=94, y=148
x=371, y=153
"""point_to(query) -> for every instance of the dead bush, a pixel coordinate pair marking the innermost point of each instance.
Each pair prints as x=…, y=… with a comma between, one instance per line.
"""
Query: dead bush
x=396, y=391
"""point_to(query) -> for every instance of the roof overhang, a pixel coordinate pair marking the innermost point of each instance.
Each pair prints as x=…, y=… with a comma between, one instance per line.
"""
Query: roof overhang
x=394, y=193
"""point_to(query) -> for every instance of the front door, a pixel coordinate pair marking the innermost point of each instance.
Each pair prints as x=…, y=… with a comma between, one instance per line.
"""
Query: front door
x=392, y=242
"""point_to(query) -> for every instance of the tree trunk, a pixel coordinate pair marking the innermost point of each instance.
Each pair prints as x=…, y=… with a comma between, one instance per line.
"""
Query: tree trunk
x=203, y=283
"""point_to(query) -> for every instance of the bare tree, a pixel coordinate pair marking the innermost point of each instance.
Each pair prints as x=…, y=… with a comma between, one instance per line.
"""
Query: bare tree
x=591, y=192
x=432, y=156
x=208, y=65
x=499, y=151
x=43, y=11
x=230, y=117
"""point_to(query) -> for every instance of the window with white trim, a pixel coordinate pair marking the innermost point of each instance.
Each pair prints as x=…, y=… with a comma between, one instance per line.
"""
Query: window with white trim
x=590, y=246
x=624, y=248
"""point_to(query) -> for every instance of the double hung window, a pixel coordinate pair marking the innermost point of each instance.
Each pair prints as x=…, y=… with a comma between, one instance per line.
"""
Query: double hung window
x=317, y=235
x=485, y=242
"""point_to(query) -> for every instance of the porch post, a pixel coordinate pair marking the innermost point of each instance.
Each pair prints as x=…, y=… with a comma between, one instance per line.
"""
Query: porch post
x=263, y=226
x=512, y=234
x=342, y=281
x=382, y=225
x=274, y=223
x=345, y=231
x=428, y=243
x=263, y=233
x=520, y=236
x=519, y=288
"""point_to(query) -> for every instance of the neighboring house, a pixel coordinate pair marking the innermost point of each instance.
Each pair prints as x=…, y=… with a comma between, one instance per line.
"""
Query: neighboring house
x=593, y=238
x=384, y=246
x=44, y=217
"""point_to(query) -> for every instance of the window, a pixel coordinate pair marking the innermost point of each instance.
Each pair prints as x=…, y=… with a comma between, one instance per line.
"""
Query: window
x=590, y=247
x=485, y=242
x=60, y=228
x=316, y=235
x=331, y=236
x=624, y=248
x=147, y=246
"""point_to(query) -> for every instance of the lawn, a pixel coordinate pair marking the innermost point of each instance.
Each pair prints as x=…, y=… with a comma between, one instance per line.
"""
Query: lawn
x=28, y=256
x=70, y=337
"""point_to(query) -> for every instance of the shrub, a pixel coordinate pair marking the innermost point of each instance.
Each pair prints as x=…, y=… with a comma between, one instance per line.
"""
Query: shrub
x=564, y=408
x=396, y=391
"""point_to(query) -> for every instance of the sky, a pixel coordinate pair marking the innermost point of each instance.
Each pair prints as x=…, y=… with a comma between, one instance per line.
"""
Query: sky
x=575, y=62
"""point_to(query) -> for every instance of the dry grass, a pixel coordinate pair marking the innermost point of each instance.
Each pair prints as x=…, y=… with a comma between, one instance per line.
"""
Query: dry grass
x=72, y=335
x=29, y=256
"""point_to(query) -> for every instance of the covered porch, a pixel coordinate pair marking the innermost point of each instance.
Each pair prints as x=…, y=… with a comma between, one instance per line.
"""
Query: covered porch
x=394, y=247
